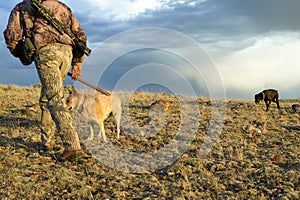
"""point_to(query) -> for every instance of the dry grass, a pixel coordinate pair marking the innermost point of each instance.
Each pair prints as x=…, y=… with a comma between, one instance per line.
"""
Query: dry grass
x=257, y=155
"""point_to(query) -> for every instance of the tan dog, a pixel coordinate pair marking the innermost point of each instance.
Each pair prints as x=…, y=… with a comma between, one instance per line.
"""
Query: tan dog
x=96, y=107
x=165, y=104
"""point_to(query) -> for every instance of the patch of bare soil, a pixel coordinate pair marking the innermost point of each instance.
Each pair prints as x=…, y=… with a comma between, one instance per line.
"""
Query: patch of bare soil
x=255, y=156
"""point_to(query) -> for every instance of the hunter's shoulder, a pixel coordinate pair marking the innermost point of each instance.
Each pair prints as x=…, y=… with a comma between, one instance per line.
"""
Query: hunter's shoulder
x=55, y=4
x=52, y=2
x=22, y=5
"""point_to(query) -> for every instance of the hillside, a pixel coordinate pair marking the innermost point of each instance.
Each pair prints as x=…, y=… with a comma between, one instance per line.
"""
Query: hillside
x=256, y=154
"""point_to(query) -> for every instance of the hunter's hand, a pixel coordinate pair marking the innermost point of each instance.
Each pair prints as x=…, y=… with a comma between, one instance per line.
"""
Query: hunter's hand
x=76, y=71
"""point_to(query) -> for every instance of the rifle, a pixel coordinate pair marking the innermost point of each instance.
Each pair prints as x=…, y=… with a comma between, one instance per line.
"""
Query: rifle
x=90, y=85
x=59, y=27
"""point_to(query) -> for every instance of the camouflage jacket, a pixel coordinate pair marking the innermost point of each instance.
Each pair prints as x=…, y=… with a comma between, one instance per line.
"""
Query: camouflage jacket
x=24, y=21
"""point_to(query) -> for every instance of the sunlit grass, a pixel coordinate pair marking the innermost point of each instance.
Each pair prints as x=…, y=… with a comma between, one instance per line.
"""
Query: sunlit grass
x=261, y=162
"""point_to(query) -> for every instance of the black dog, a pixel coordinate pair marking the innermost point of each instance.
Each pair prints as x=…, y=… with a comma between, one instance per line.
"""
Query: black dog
x=296, y=107
x=268, y=96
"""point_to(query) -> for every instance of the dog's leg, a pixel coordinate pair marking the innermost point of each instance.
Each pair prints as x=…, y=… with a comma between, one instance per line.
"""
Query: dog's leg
x=99, y=133
x=117, y=115
x=277, y=101
x=118, y=129
x=101, y=124
x=267, y=105
x=91, y=132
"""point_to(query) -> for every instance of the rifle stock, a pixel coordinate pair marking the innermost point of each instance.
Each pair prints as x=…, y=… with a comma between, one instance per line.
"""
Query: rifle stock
x=90, y=85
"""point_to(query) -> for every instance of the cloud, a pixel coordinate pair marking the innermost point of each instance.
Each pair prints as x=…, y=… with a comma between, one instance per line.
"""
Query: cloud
x=117, y=55
x=259, y=15
x=122, y=10
x=207, y=21
x=273, y=61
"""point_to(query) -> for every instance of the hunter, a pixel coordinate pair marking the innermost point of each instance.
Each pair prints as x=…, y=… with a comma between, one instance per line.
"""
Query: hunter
x=54, y=54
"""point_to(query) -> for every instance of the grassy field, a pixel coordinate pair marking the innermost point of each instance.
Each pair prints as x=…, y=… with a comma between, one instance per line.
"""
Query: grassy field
x=256, y=155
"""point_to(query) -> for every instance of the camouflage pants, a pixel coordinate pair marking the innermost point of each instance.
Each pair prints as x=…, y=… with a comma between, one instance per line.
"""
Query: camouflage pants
x=52, y=64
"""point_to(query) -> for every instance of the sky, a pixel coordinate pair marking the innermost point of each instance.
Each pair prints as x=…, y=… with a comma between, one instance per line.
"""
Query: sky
x=229, y=48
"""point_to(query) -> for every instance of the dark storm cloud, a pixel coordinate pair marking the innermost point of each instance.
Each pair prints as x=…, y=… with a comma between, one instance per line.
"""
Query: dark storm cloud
x=229, y=19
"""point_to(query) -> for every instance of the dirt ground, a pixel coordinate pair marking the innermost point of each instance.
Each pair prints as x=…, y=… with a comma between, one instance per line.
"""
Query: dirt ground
x=178, y=148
